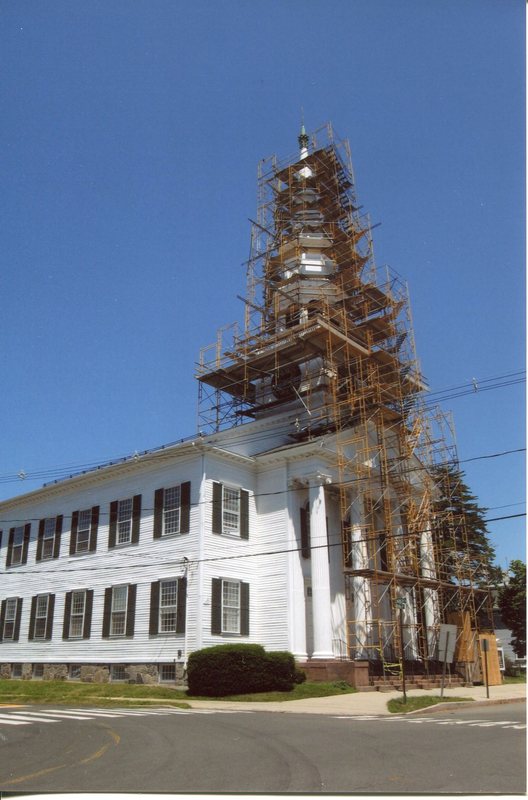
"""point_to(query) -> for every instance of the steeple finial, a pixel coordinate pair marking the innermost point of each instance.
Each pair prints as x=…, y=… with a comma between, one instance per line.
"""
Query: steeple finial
x=303, y=138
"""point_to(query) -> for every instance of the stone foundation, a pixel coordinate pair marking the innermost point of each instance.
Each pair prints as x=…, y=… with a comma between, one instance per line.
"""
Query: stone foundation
x=148, y=674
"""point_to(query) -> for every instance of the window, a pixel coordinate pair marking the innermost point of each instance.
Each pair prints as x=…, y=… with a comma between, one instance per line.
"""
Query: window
x=77, y=614
x=41, y=616
x=16, y=670
x=119, y=611
x=17, y=549
x=124, y=521
x=167, y=673
x=230, y=511
x=84, y=531
x=230, y=607
x=168, y=606
x=117, y=672
x=74, y=672
x=38, y=671
x=305, y=531
x=49, y=535
x=172, y=510
x=10, y=618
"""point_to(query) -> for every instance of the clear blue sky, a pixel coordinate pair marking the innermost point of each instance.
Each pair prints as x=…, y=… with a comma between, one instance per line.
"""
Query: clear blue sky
x=131, y=131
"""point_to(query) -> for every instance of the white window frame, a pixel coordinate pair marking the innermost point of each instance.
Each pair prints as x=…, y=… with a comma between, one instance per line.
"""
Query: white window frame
x=82, y=541
x=17, y=549
x=48, y=538
x=231, y=608
x=41, y=616
x=118, y=616
x=125, y=512
x=38, y=672
x=231, y=510
x=168, y=609
x=171, y=511
x=10, y=617
x=77, y=617
x=16, y=670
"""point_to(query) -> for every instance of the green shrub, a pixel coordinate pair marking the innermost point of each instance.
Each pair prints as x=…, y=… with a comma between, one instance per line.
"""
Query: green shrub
x=239, y=669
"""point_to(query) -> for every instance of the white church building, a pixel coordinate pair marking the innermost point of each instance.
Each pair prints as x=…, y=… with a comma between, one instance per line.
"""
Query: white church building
x=298, y=518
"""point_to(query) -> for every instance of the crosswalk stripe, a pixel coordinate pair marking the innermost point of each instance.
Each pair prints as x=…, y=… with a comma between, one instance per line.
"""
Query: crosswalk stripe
x=31, y=717
x=12, y=721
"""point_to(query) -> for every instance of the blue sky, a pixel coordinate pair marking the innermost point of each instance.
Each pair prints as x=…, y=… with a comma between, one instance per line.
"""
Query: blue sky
x=131, y=132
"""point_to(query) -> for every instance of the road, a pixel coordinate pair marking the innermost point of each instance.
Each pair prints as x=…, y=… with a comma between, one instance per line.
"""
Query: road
x=477, y=751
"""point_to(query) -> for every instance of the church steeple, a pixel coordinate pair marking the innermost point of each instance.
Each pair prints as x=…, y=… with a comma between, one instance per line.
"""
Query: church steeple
x=303, y=141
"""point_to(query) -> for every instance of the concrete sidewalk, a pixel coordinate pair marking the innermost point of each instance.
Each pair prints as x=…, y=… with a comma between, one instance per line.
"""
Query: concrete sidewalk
x=375, y=703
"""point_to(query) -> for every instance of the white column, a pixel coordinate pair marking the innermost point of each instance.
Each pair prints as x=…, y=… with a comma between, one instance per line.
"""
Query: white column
x=428, y=570
x=361, y=586
x=296, y=598
x=321, y=599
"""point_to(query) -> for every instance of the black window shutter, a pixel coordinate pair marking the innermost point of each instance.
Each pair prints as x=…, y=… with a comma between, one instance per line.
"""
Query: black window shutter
x=136, y=516
x=67, y=615
x=244, y=514
x=244, y=609
x=154, y=607
x=182, y=604
x=18, y=617
x=217, y=508
x=112, y=530
x=10, y=547
x=73, y=537
x=92, y=547
x=106, y=612
x=158, y=513
x=185, y=508
x=305, y=532
x=88, y=605
x=40, y=539
x=33, y=611
x=131, y=609
x=2, y=618
x=216, y=605
x=49, y=620
x=27, y=535
x=58, y=534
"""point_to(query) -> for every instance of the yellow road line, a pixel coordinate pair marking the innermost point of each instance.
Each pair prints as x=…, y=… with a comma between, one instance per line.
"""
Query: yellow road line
x=98, y=753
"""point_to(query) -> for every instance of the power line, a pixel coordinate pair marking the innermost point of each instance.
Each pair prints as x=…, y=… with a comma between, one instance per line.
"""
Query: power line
x=62, y=471
x=345, y=483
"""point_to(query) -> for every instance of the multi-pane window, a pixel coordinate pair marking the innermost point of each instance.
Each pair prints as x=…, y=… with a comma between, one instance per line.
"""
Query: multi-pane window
x=230, y=607
x=230, y=510
x=117, y=672
x=118, y=611
x=167, y=672
x=48, y=539
x=172, y=507
x=41, y=616
x=124, y=521
x=11, y=605
x=77, y=609
x=168, y=606
x=74, y=672
x=38, y=671
x=171, y=510
x=18, y=545
x=82, y=541
x=16, y=670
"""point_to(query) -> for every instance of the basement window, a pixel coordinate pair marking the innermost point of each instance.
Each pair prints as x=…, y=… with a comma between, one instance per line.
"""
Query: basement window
x=167, y=673
x=117, y=672
x=16, y=670
x=38, y=671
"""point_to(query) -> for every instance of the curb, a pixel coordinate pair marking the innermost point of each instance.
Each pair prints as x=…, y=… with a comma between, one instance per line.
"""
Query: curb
x=466, y=704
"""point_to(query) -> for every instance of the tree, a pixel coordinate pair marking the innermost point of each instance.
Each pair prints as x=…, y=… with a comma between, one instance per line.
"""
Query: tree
x=460, y=532
x=512, y=606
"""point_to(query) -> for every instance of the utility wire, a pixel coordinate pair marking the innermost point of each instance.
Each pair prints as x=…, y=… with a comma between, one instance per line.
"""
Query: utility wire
x=349, y=482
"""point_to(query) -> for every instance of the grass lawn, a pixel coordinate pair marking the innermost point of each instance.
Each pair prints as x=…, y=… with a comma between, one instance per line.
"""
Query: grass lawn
x=125, y=694
x=397, y=706
x=514, y=678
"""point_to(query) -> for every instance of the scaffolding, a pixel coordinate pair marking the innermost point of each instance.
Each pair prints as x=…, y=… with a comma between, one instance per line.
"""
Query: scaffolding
x=328, y=332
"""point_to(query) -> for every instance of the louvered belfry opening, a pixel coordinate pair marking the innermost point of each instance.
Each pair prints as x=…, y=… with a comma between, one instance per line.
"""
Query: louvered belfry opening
x=329, y=335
